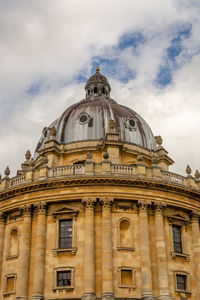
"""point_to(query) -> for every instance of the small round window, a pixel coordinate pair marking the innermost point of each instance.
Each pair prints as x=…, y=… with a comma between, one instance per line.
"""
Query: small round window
x=84, y=118
x=131, y=123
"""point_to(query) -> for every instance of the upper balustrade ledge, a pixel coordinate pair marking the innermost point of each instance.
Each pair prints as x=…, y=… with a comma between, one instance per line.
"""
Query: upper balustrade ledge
x=132, y=171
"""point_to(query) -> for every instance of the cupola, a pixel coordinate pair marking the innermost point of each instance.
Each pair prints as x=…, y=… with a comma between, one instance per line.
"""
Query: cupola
x=97, y=85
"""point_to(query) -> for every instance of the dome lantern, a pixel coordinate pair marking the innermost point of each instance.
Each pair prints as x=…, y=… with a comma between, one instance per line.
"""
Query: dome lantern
x=97, y=85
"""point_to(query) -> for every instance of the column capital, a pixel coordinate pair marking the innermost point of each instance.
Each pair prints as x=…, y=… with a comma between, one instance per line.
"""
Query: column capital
x=143, y=205
x=3, y=217
x=89, y=203
x=41, y=208
x=26, y=210
x=106, y=203
x=159, y=207
x=194, y=215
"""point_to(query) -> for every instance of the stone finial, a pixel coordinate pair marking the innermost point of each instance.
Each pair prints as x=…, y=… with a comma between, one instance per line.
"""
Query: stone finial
x=53, y=131
x=28, y=155
x=188, y=170
x=111, y=125
x=197, y=174
x=7, y=171
x=159, y=140
x=97, y=69
x=105, y=155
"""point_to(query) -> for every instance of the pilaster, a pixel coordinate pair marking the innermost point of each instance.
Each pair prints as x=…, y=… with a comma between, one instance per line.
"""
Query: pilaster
x=163, y=284
x=40, y=250
x=147, y=290
x=107, y=275
x=89, y=293
x=2, y=231
x=196, y=249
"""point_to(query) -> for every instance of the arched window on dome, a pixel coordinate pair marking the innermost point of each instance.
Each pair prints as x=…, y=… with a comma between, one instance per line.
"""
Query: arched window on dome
x=13, y=243
x=125, y=234
x=95, y=90
x=103, y=90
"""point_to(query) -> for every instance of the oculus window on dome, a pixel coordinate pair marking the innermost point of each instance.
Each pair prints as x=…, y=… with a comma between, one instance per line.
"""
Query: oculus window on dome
x=84, y=118
x=131, y=123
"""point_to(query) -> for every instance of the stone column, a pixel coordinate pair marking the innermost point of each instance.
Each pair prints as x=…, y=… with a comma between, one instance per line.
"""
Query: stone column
x=2, y=230
x=107, y=268
x=196, y=249
x=40, y=250
x=89, y=293
x=163, y=284
x=24, y=256
x=147, y=290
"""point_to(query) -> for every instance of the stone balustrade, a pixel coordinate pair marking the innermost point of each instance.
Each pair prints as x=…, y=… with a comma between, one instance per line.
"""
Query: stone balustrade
x=115, y=170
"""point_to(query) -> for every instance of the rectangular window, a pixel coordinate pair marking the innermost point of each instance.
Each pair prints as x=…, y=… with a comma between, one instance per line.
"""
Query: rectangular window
x=10, y=284
x=65, y=234
x=126, y=277
x=177, y=238
x=63, y=278
x=181, y=282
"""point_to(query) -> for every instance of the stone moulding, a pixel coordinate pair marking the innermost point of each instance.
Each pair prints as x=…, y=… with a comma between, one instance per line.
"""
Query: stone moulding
x=87, y=181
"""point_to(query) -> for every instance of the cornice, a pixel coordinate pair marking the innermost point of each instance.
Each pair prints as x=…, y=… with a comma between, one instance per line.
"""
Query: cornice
x=98, y=181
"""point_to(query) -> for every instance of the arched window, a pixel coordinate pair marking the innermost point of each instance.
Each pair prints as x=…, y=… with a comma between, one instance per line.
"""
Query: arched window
x=95, y=90
x=103, y=90
x=125, y=234
x=13, y=246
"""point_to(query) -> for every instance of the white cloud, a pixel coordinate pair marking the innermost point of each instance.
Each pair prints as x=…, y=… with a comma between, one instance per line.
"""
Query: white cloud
x=49, y=43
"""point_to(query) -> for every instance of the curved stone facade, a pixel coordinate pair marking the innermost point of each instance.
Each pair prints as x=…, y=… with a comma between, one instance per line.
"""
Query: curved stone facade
x=101, y=219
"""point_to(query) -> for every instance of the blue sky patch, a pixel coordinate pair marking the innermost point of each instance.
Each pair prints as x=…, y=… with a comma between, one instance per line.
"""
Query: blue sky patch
x=131, y=40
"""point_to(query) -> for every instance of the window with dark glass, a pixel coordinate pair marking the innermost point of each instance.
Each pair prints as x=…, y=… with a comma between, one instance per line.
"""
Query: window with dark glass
x=64, y=278
x=181, y=281
x=65, y=234
x=177, y=239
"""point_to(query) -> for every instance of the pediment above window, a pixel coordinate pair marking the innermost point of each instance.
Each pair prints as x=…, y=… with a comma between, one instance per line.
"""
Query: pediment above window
x=176, y=217
x=65, y=211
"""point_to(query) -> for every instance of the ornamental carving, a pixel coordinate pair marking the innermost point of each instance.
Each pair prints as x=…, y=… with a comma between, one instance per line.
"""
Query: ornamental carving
x=41, y=207
x=106, y=203
x=195, y=217
x=2, y=218
x=89, y=203
x=159, y=207
x=143, y=205
x=26, y=210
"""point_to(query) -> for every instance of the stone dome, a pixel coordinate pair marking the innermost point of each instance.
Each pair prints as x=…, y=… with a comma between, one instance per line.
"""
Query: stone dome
x=89, y=119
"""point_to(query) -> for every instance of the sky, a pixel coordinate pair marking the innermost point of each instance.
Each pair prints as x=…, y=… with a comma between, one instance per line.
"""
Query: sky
x=148, y=50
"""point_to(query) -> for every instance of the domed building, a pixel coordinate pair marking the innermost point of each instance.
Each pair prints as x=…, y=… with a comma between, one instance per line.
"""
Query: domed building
x=96, y=213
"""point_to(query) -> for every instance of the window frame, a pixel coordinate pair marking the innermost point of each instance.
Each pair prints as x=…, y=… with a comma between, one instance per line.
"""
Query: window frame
x=11, y=275
x=62, y=215
x=177, y=244
x=60, y=237
x=187, y=276
x=55, y=278
x=126, y=268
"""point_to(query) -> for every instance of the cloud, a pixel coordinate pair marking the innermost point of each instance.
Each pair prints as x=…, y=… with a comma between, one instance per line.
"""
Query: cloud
x=149, y=50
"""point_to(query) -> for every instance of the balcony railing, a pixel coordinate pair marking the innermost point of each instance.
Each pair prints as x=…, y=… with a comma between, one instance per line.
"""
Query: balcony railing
x=82, y=170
